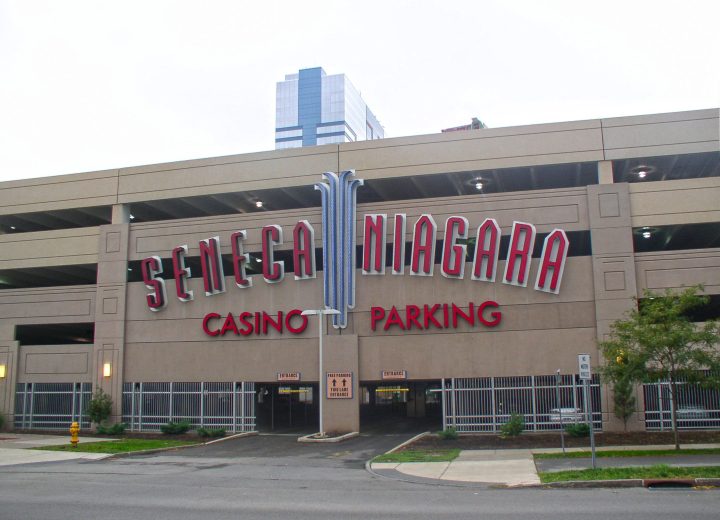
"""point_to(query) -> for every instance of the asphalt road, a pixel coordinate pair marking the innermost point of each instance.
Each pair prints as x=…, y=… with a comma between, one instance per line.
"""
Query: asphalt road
x=280, y=479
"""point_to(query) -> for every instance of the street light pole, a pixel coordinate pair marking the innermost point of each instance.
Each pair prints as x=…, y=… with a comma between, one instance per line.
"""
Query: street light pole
x=321, y=329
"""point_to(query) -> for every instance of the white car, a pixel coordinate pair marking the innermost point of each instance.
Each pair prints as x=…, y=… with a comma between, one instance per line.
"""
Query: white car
x=569, y=415
x=691, y=412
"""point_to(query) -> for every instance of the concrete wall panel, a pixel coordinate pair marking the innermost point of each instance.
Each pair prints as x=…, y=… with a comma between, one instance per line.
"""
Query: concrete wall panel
x=677, y=269
x=80, y=190
x=293, y=167
x=49, y=248
x=691, y=200
x=54, y=363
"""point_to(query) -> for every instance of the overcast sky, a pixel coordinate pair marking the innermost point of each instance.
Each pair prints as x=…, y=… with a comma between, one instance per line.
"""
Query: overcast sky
x=92, y=85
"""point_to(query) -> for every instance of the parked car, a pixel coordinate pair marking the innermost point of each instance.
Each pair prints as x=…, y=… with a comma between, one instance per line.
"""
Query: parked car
x=691, y=411
x=569, y=415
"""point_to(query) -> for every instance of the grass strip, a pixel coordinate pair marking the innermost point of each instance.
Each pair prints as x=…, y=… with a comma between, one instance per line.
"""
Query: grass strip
x=627, y=453
x=118, y=446
x=659, y=471
x=419, y=456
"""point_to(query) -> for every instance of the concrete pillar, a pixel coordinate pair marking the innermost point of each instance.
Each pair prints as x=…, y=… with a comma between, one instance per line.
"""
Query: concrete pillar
x=8, y=358
x=605, y=172
x=613, y=269
x=120, y=214
x=340, y=354
x=110, y=312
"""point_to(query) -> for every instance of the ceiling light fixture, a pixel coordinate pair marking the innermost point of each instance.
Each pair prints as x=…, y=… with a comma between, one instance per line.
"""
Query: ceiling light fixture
x=646, y=234
x=478, y=185
x=132, y=217
x=258, y=204
x=643, y=170
x=12, y=227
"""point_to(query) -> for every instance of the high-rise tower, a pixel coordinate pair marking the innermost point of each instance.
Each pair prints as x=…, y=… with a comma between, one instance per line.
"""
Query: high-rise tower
x=313, y=108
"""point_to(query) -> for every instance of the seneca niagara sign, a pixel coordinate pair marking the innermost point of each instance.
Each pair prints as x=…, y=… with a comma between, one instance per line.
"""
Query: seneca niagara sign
x=339, y=219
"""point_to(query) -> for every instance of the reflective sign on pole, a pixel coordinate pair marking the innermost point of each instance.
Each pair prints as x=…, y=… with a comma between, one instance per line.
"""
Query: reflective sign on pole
x=584, y=367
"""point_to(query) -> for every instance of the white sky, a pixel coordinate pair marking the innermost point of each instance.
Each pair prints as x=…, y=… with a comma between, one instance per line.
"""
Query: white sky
x=91, y=85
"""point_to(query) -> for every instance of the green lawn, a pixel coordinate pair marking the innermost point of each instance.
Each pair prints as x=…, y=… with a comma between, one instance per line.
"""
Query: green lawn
x=660, y=471
x=119, y=446
x=419, y=456
x=626, y=453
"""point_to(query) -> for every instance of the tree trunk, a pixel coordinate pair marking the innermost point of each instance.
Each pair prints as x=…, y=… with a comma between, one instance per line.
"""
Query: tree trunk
x=673, y=408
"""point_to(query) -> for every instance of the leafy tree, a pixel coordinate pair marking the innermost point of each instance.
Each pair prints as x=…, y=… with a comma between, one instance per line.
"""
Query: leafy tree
x=658, y=342
x=623, y=399
x=99, y=407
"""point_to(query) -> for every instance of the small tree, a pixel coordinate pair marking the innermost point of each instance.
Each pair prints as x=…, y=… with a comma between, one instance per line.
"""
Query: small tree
x=100, y=407
x=658, y=342
x=623, y=399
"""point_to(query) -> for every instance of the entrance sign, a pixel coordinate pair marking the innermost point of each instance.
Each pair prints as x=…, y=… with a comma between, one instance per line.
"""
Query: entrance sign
x=393, y=375
x=339, y=385
x=288, y=376
x=584, y=367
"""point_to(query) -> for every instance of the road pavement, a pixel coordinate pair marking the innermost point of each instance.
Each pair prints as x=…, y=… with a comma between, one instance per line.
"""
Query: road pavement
x=274, y=477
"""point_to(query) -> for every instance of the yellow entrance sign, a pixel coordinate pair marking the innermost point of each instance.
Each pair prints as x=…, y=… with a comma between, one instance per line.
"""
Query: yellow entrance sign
x=339, y=385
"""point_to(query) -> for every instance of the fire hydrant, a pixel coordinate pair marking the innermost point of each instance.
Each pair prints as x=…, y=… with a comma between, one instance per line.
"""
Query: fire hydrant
x=74, y=430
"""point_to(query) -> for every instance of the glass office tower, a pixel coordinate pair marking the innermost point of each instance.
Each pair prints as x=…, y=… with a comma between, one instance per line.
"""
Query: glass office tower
x=314, y=108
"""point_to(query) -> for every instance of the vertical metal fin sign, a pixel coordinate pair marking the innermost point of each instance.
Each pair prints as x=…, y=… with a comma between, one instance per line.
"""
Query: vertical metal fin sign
x=339, y=195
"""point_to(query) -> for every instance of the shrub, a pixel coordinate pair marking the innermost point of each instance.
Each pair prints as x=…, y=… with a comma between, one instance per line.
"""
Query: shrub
x=100, y=407
x=175, y=428
x=115, y=429
x=448, y=434
x=211, y=432
x=514, y=426
x=578, y=430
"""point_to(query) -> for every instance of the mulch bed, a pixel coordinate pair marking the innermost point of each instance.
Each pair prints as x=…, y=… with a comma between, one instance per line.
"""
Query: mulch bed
x=190, y=436
x=552, y=440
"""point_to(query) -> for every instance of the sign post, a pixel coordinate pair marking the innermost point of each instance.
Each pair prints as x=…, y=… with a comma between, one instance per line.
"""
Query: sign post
x=586, y=377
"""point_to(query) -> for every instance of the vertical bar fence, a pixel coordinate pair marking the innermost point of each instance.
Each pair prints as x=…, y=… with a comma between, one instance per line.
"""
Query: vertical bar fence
x=51, y=406
x=698, y=408
x=484, y=404
x=230, y=405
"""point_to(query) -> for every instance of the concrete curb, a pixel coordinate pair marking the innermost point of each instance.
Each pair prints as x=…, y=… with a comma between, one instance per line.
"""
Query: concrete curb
x=231, y=437
x=173, y=448
x=628, y=483
x=407, y=442
x=340, y=438
x=586, y=484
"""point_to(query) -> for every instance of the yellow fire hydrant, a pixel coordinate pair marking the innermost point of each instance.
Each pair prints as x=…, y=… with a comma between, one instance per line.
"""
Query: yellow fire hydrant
x=74, y=430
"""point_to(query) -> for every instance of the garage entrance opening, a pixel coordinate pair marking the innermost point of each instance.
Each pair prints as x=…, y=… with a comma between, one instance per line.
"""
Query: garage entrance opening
x=282, y=408
x=405, y=406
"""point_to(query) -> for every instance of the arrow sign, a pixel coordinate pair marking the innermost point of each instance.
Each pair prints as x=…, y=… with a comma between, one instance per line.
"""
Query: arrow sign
x=335, y=391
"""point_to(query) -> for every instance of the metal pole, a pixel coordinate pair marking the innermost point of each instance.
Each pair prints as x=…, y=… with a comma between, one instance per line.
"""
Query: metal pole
x=321, y=397
x=588, y=415
x=559, y=406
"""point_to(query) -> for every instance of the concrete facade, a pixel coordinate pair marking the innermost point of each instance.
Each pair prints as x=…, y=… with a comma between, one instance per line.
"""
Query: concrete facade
x=539, y=332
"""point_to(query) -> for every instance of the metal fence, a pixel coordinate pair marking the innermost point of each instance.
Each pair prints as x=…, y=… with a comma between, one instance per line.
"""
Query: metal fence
x=484, y=404
x=697, y=408
x=51, y=406
x=148, y=406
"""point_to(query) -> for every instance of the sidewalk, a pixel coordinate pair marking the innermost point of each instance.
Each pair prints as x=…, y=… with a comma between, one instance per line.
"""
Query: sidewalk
x=15, y=449
x=517, y=467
